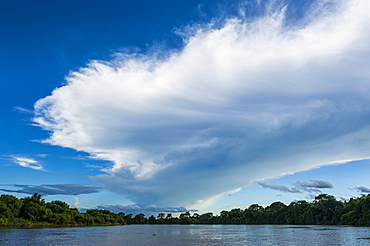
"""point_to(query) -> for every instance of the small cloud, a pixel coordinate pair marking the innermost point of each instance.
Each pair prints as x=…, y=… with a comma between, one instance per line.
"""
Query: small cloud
x=312, y=186
x=362, y=189
x=151, y=208
x=316, y=183
x=93, y=166
x=80, y=157
x=278, y=187
x=55, y=189
x=28, y=162
x=23, y=110
x=77, y=203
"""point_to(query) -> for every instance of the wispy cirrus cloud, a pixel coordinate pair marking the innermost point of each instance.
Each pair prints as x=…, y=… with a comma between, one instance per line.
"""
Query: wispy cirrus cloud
x=24, y=110
x=28, y=162
x=53, y=189
x=243, y=101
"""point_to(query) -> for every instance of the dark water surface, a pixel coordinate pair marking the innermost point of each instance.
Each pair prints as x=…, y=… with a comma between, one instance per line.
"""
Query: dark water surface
x=189, y=235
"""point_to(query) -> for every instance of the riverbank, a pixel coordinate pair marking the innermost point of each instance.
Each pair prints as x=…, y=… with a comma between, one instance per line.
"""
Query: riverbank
x=30, y=226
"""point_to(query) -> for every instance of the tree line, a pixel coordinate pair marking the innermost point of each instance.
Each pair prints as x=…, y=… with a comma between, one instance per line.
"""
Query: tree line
x=323, y=210
x=34, y=211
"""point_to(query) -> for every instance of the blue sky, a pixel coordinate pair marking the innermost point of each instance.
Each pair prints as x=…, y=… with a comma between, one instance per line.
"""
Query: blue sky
x=169, y=106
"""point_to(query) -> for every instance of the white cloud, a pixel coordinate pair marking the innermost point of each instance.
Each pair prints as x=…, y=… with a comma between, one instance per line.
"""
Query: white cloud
x=24, y=110
x=246, y=101
x=76, y=204
x=28, y=162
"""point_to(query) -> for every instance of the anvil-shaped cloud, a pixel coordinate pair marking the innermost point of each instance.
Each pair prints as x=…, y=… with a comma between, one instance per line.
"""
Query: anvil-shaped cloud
x=245, y=101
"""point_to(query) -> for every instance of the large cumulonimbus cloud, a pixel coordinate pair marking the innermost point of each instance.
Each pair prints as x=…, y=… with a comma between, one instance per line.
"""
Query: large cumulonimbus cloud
x=246, y=101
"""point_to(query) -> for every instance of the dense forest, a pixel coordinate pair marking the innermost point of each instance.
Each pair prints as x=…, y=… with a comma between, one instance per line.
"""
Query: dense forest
x=34, y=211
x=324, y=210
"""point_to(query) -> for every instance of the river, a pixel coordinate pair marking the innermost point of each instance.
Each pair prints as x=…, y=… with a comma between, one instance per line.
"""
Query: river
x=189, y=235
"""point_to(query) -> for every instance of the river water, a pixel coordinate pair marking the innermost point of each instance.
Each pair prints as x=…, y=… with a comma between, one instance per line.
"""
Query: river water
x=189, y=235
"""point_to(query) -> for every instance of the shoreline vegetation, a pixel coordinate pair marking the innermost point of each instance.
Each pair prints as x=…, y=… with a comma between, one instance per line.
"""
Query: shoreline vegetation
x=34, y=212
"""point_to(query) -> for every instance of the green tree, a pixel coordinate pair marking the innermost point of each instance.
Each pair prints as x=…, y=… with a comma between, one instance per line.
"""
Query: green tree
x=325, y=207
x=185, y=218
x=140, y=219
x=5, y=212
x=34, y=208
x=13, y=203
x=296, y=212
x=152, y=220
x=58, y=207
x=205, y=218
x=275, y=213
x=169, y=216
x=160, y=215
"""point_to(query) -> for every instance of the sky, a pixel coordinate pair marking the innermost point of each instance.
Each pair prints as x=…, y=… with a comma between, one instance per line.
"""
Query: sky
x=175, y=106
